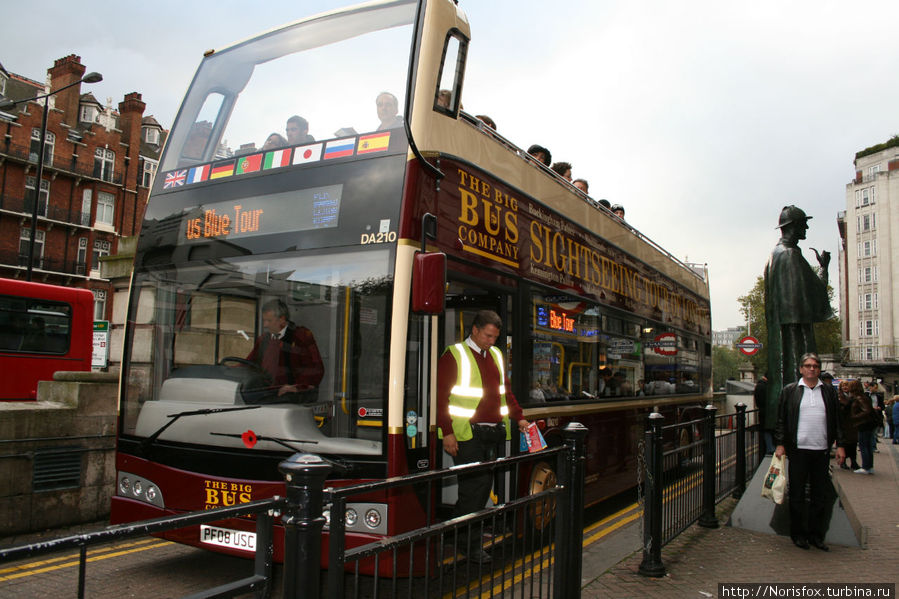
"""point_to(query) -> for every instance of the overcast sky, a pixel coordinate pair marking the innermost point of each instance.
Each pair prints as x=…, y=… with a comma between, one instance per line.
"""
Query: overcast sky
x=703, y=118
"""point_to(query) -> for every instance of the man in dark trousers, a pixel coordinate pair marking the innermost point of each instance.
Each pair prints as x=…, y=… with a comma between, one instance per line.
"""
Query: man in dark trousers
x=287, y=352
x=808, y=425
x=475, y=408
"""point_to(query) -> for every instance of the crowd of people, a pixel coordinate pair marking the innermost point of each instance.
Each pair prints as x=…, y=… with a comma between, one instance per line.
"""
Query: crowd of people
x=865, y=416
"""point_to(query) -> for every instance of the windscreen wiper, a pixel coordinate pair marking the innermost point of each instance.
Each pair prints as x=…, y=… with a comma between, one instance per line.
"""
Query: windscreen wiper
x=146, y=443
x=339, y=465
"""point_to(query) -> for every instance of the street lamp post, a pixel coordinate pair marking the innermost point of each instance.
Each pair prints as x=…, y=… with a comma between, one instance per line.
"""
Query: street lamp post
x=89, y=78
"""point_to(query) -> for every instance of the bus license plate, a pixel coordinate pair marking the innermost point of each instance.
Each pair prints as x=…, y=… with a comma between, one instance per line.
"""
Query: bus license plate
x=226, y=537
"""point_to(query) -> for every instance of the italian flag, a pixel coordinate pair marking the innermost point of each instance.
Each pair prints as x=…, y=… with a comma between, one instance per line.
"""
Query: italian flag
x=277, y=159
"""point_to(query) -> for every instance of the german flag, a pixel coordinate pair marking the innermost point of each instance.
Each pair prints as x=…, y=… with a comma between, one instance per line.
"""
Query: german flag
x=224, y=169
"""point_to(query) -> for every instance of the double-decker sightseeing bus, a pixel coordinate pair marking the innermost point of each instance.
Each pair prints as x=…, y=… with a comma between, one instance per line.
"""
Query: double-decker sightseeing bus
x=325, y=228
x=43, y=329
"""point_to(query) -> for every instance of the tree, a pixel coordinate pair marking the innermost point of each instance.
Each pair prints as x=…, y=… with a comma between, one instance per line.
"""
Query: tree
x=726, y=363
x=828, y=336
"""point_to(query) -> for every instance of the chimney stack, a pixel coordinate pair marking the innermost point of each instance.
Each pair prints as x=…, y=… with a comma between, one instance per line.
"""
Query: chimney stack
x=65, y=71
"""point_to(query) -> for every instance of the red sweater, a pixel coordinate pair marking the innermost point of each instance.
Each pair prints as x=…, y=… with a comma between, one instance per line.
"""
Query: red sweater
x=488, y=407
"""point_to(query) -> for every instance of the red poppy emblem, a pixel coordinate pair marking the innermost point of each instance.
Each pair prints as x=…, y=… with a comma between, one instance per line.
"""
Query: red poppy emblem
x=249, y=439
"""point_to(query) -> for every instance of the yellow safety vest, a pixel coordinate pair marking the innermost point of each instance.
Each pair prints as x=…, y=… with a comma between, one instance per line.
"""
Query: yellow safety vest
x=468, y=391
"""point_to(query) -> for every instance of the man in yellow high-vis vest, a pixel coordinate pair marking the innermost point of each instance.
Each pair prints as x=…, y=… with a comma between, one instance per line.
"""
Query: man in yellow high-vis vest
x=474, y=410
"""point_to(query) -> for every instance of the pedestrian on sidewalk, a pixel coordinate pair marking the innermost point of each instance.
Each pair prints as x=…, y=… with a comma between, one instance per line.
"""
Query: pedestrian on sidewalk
x=863, y=418
x=894, y=421
x=808, y=424
x=850, y=431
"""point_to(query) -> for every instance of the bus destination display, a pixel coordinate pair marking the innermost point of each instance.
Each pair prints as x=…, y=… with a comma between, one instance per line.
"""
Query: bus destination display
x=302, y=210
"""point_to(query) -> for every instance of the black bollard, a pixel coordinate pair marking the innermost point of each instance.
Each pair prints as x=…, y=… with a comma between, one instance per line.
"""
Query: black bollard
x=740, y=482
x=569, y=535
x=303, y=522
x=710, y=463
x=652, y=503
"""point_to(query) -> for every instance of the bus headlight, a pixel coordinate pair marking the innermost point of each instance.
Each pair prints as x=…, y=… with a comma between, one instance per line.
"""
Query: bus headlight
x=351, y=516
x=372, y=518
x=134, y=487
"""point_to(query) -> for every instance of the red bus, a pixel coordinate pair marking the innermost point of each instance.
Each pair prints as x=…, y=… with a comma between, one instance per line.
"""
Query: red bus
x=43, y=329
x=326, y=225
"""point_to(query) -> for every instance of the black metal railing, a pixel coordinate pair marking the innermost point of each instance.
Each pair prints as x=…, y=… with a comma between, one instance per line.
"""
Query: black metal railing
x=535, y=538
x=46, y=263
x=25, y=206
x=25, y=154
x=259, y=582
x=689, y=468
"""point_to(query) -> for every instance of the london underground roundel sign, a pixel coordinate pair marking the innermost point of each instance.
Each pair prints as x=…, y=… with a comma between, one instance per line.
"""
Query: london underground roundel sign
x=665, y=344
x=749, y=345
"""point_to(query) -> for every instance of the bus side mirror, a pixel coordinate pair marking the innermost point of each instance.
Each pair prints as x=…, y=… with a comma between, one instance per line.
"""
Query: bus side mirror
x=429, y=283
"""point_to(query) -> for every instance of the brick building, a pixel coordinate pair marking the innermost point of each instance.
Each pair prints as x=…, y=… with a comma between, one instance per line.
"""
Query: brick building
x=98, y=166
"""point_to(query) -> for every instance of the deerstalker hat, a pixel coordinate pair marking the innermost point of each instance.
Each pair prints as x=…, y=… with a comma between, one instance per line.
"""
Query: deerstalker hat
x=790, y=215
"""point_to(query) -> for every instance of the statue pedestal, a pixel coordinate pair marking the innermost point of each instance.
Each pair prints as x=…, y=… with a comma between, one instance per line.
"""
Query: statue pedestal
x=754, y=512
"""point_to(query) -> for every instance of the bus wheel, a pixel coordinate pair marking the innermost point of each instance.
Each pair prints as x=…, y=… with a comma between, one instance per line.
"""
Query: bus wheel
x=542, y=512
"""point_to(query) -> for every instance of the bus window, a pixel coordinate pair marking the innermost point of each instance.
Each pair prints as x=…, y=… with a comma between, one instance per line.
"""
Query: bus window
x=452, y=69
x=327, y=73
x=318, y=376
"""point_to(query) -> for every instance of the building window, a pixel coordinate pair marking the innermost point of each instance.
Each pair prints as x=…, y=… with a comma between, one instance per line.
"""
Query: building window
x=43, y=199
x=24, y=239
x=101, y=248
x=867, y=274
x=151, y=135
x=867, y=301
x=88, y=113
x=868, y=328
x=86, y=198
x=99, y=304
x=104, y=164
x=873, y=170
x=105, y=208
x=866, y=249
x=871, y=352
x=49, y=144
x=867, y=222
x=149, y=171
x=81, y=260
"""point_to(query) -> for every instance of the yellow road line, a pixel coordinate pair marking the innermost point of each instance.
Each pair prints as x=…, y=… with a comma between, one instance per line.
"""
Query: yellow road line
x=96, y=558
x=73, y=555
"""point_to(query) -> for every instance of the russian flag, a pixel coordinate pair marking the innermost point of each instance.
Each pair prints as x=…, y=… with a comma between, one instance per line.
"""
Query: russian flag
x=340, y=148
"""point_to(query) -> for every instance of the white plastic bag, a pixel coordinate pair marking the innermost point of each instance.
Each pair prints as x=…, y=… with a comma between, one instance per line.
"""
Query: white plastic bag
x=775, y=485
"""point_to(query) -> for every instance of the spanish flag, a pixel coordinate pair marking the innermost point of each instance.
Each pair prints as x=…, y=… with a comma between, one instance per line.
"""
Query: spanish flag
x=376, y=142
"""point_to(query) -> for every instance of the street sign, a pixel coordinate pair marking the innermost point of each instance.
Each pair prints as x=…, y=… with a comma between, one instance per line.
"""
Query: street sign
x=664, y=344
x=749, y=345
x=100, y=355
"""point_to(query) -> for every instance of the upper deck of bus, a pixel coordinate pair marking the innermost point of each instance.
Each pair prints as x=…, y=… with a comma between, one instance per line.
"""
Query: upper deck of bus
x=436, y=131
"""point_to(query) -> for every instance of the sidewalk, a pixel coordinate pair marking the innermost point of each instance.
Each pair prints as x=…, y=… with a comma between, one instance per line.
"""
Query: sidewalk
x=700, y=558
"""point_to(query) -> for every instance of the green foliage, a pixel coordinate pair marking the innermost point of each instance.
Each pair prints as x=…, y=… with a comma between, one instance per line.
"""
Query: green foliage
x=828, y=335
x=752, y=306
x=726, y=363
x=891, y=143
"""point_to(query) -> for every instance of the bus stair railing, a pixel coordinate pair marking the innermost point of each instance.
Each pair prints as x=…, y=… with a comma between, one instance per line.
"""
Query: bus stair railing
x=534, y=539
x=687, y=469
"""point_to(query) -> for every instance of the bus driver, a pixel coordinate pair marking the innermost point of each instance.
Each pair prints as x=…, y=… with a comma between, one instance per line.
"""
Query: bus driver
x=286, y=352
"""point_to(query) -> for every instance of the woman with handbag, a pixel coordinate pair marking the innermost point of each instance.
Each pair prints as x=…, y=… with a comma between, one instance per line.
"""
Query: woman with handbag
x=861, y=415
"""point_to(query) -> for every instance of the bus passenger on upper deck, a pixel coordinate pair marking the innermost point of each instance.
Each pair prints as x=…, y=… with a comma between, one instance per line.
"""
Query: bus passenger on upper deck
x=287, y=352
x=298, y=131
x=563, y=169
x=582, y=185
x=541, y=154
x=275, y=141
x=388, y=107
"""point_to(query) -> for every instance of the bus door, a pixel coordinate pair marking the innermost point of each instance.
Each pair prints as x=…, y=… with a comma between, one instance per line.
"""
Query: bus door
x=463, y=301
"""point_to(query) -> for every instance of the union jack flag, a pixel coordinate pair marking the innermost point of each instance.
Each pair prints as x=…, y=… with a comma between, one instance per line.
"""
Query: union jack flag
x=174, y=179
